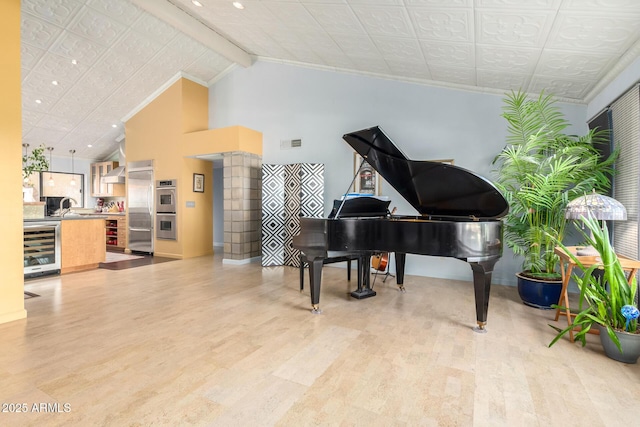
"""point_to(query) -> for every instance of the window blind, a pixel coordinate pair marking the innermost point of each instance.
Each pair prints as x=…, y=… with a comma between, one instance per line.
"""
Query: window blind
x=626, y=135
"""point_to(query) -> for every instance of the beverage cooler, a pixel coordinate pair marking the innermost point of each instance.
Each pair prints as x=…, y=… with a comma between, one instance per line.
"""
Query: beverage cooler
x=41, y=248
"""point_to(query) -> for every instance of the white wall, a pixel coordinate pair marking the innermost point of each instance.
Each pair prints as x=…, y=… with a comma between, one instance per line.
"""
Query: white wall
x=287, y=102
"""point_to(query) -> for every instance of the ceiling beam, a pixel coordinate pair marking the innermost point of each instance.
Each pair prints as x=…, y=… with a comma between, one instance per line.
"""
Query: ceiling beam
x=189, y=25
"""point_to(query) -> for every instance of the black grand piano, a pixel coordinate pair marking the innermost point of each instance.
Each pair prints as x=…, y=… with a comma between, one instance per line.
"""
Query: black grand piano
x=459, y=210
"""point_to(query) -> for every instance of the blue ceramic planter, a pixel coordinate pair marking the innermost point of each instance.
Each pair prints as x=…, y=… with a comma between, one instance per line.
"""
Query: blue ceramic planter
x=539, y=293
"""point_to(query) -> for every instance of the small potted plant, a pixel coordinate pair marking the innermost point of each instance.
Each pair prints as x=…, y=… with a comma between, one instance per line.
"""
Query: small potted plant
x=31, y=163
x=539, y=170
x=607, y=300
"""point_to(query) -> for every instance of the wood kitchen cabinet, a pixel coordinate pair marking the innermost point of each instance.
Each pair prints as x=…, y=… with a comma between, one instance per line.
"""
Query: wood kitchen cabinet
x=116, y=231
x=82, y=244
x=100, y=189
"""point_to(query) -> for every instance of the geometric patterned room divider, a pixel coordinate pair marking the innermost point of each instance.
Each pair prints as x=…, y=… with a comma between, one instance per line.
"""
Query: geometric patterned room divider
x=288, y=192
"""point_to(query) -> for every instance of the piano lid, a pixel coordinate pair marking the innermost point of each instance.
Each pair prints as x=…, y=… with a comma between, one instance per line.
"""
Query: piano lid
x=432, y=188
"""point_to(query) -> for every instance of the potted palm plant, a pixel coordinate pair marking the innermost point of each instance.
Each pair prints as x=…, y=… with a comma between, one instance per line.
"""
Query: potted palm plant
x=539, y=170
x=607, y=300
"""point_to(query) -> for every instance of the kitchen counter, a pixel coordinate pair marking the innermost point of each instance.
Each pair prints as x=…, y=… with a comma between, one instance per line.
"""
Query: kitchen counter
x=82, y=240
x=67, y=217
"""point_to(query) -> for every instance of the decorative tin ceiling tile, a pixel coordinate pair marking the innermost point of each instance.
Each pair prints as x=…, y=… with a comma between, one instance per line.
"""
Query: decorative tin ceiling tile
x=502, y=80
x=58, y=12
x=30, y=118
x=571, y=64
x=60, y=123
x=137, y=46
x=515, y=29
x=357, y=46
x=37, y=32
x=398, y=49
x=385, y=21
x=594, y=32
x=506, y=58
x=123, y=53
x=451, y=54
x=453, y=25
x=338, y=19
x=557, y=85
x=73, y=46
x=61, y=68
x=30, y=55
x=440, y=3
x=96, y=27
x=154, y=28
x=122, y=11
x=42, y=84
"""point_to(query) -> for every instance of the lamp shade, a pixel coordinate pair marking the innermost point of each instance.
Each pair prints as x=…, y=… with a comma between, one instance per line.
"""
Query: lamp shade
x=597, y=206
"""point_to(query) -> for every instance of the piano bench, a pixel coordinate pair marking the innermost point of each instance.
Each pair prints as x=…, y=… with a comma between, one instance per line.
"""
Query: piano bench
x=330, y=260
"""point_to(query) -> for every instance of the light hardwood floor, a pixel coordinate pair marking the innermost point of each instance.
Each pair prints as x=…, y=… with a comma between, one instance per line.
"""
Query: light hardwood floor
x=196, y=342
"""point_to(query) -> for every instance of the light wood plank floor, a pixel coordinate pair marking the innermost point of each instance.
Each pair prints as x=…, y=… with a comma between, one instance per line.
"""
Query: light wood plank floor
x=196, y=342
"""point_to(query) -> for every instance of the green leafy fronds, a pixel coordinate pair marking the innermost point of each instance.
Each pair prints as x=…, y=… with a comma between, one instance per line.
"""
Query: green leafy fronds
x=539, y=171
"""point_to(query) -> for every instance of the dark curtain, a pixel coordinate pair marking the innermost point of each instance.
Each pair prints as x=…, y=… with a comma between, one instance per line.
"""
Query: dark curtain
x=603, y=122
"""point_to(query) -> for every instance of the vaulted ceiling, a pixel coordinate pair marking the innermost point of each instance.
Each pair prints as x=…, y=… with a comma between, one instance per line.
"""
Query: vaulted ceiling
x=107, y=57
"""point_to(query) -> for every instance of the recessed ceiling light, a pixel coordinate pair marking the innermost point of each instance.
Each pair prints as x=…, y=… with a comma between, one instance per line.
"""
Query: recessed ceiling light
x=74, y=62
x=238, y=5
x=196, y=3
x=114, y=126
x=89, y=145
x=38, y=101
x=54, y=82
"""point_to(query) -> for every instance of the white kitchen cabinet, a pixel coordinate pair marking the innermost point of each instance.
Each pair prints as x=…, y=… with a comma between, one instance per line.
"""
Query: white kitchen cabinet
x=100, y=189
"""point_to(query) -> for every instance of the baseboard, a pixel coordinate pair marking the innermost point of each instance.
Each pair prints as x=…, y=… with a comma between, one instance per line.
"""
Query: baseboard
x=15, y=315
x=241, y=261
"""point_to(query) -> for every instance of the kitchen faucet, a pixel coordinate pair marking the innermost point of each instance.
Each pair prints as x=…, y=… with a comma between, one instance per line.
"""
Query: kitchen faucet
x=62, y=209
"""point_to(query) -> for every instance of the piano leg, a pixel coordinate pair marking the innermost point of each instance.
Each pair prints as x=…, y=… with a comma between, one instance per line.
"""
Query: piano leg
x=400, y=260
x=364, y=280
x=482, y=286
x=315, y=277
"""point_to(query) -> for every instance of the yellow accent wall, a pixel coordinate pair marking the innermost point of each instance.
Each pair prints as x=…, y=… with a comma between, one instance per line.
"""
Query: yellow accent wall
x=12, y=281
x=171, y=130
x=223, y=140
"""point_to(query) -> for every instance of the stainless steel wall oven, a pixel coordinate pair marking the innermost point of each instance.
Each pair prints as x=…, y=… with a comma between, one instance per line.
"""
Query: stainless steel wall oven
x=166, y=209
x=166, y=226
x=166, y=196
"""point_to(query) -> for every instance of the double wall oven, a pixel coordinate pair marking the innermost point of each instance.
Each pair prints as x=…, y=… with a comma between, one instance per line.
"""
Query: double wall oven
x=166, y=209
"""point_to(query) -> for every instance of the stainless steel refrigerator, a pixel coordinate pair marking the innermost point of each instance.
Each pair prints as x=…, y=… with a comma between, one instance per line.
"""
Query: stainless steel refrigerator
x=140, y=205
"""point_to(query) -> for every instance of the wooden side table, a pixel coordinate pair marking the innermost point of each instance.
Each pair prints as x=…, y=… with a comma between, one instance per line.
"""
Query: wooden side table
x=566, y=267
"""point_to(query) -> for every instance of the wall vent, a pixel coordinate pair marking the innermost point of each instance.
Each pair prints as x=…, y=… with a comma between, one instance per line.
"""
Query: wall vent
x=287, y=144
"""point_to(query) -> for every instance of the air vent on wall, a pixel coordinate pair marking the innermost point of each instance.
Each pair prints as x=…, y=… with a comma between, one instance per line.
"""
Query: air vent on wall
x=286, y=144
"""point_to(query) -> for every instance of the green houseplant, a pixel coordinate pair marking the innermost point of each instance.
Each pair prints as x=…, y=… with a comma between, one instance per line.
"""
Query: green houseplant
x=607, y=300
x=34, y=162
x=31, y=163
x=539, y=170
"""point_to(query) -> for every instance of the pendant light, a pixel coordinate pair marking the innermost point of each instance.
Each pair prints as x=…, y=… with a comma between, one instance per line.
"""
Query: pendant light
x=73, y=176
x=24, y=160
x=51, y=182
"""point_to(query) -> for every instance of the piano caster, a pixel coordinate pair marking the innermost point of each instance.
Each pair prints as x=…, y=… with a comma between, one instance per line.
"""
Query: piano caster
x=480, y=328
x=315, y=309
x=402, y=289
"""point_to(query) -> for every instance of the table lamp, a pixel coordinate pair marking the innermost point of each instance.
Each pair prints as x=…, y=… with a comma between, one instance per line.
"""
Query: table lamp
x=600, y=207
